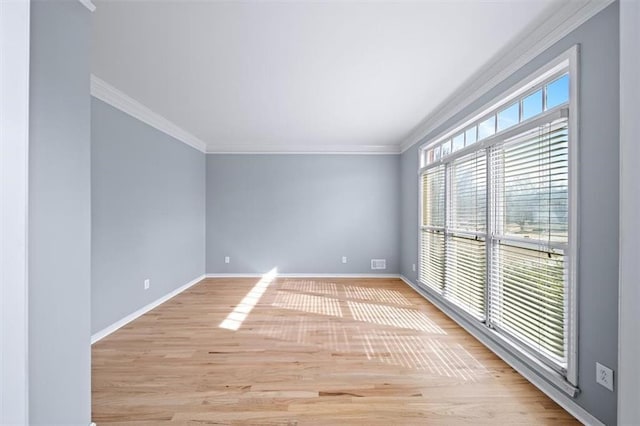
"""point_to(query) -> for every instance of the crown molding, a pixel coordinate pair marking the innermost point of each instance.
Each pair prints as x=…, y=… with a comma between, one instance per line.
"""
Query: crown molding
x=88, y=4
x=538, y=37
x=102, y=90
x=265, y=149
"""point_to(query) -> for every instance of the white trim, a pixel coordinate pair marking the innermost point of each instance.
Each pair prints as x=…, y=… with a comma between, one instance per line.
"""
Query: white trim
x=546, y=31
x=102, y=90
x=88, y=4
x=126, y=320
x=310, y=150
x=14, y=199
x=628, y=373
x=574, y=218
x=304, y=275
x=239, y=275
x=551, y=391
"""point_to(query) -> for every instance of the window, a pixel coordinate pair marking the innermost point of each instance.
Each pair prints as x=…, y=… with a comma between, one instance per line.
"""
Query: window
x=432, y=245
x=496, y=224
x=530, y=237
x=465, y=276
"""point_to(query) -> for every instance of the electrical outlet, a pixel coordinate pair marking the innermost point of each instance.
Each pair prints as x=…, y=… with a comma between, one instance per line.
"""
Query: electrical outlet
x=147, y=284
x=227, y=259
x=344, y=259
x=604, y=376
x=413, y=267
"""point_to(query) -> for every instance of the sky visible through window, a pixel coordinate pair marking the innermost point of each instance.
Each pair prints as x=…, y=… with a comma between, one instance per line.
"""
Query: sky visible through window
x=553, y=94
x=558, y=91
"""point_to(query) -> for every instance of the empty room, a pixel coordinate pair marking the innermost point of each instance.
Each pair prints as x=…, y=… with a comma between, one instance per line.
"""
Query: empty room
x=319, y=212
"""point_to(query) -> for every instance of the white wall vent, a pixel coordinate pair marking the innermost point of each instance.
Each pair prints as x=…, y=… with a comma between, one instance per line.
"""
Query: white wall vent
x=378, y=263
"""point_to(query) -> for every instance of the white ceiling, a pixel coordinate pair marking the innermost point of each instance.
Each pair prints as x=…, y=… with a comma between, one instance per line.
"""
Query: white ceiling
x=300, y=76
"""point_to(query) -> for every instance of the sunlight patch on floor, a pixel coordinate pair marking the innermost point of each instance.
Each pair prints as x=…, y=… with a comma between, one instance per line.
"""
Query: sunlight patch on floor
x=308, y=303
x=395, y=317
x=382, y=295
x=310, y=286
x=326, y=333
x=434, y=355
x=234, y=320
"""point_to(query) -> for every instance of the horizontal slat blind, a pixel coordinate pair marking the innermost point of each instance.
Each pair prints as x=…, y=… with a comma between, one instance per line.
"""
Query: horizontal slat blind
x=432, y=259
x=498, y=236
x=468, y=200
x=529, y=298
x=536, y=178
x=432, y=236
x=530, y=210
x=465, y=274
x=433, y=197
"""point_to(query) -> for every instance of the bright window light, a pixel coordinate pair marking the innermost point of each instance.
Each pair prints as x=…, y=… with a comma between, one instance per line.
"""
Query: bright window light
x=234, y=320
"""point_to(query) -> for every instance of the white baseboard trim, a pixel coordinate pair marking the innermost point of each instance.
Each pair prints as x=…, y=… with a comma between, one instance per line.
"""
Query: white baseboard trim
x=551, y=391
x=126, y=320
x=305, y=275
x=247, y=275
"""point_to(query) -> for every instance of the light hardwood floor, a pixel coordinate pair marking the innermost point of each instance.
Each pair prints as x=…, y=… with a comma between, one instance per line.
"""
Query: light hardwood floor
x=310, y=351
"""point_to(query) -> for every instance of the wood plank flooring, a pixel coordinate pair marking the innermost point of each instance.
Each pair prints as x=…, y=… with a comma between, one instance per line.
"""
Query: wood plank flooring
x=306, y=351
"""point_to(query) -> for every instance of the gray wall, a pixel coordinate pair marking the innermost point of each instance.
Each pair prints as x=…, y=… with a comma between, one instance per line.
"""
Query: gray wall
x=598, y=199
x=409, y=164
x=148, y=204
x=59, y=215
x=302, y=213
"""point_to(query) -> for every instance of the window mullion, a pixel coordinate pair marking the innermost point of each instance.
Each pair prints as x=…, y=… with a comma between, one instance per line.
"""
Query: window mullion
x=489, y=238
x=447, y=224
x=496, y=200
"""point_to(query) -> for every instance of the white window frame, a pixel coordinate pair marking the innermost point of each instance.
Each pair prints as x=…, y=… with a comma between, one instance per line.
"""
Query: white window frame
x=567, y=61
x=628, y=374
x=14, y=173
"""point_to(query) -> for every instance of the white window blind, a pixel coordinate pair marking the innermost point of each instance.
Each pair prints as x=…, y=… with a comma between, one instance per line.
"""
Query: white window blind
x=498, y=231
x=432, y=230
x=530, y=179
x=433, y=199
x=465, y=253
x=494, y=238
